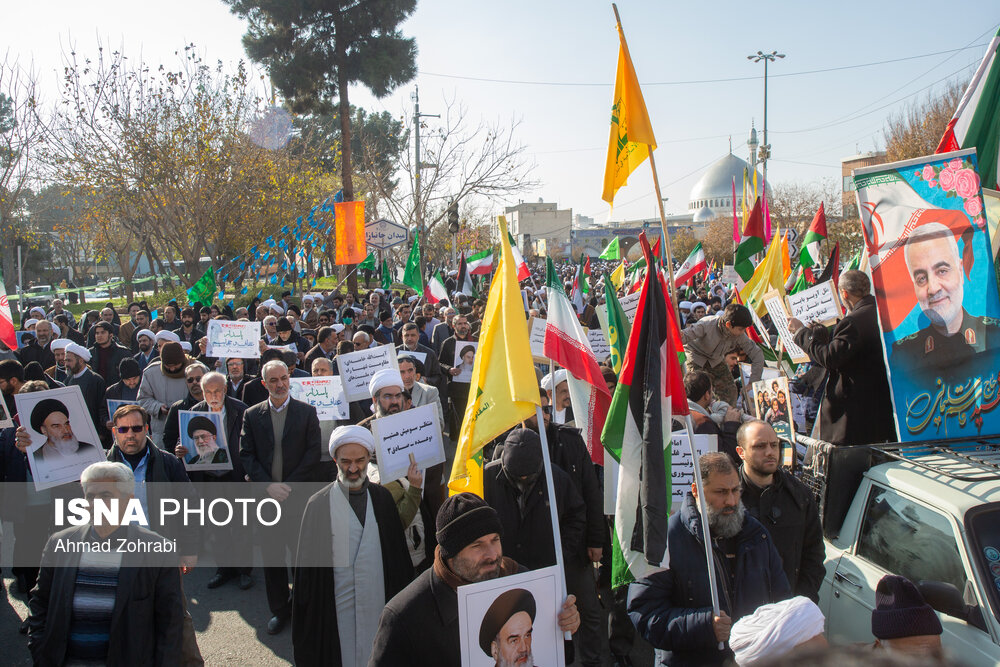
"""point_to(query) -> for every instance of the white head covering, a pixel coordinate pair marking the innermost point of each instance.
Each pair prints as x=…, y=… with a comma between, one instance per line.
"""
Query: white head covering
x=347, y=435
x=547, y=379
x=775, y=629
x=685, y=305
x=278, y=308
x=60, y=344
x=186, y=346
x=307, y=297
x=167, y=335
x=380, y=290
x=268, y=302
x=698, y=304
x=79, y=350
x=30, y=322
x=337, y=327
x=37, y=309
x=413, y=298
x=387, y=377
x=145, y=332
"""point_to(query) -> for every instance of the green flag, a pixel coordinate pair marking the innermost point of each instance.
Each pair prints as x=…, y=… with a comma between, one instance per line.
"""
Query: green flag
x=618, y=326
x=856, y=260
x=203, y=291
x=800, y=283
x=612, y=251
x=412, y=277
x=386, y=278
x=369, y=263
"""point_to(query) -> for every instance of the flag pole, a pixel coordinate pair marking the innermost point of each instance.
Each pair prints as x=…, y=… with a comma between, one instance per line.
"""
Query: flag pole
x=553, y=510
x=706, y=531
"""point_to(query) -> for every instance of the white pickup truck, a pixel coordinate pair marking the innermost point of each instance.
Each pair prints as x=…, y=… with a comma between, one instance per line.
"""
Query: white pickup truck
x=928, y=512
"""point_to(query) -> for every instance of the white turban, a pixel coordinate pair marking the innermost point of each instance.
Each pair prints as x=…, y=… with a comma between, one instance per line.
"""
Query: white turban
x=387, y=377
x=278, y=308
x=413, y=298
x=268, y=302
x=698, y=304
x=685, y=305
x=60, y=344
x=775, y=629
x=351, y=435
x=37, y=309
x=338, y=327
x=547, y=379
x=186, y=346
x=79, y=350
x=307, y=297
x=168, y=336
x=30, y=322
x=145, y=332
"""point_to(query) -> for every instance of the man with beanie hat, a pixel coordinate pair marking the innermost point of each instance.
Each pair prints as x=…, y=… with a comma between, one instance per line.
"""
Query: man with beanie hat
x=419, y=626
x=106, y=354
x=126, y=389
x=162, y=385
x=903, y=622
x=515, y=487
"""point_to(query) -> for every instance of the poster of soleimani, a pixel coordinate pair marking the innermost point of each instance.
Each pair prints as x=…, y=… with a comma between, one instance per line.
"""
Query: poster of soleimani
x=512, y=620
x=63, y=438
x=935, y=283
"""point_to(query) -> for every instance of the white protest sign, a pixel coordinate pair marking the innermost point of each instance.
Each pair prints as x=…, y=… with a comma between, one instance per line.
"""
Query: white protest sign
x=598, y=344
x=357, y=368
x=325, y=393
x=415, y=432
x=776, y=309
x=284, y=348
x=629, y=304
x=819, y=303
x=681, y=469
x=536, y=337
x=5, y=420
x=233, y=339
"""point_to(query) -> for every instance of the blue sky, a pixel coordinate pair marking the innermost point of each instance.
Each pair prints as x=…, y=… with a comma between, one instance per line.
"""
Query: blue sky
x=814, y=119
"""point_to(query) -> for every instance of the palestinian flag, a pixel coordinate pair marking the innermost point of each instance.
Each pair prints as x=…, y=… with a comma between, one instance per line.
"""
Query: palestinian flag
x=435, y=290
x=481, y=263
x=465, y=284
x=692, y=266
x=809, y=255
x=752, y=243
x=976, y=123
x=8, y=334
x=522, y=266
x=637, y=433
x=566, y=344
x=832, y=270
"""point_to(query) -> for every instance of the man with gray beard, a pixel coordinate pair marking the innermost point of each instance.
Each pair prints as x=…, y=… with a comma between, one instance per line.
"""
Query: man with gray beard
x=672, y=609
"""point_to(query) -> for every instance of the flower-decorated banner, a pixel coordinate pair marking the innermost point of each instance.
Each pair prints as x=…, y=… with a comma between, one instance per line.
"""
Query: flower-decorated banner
x=935, y=285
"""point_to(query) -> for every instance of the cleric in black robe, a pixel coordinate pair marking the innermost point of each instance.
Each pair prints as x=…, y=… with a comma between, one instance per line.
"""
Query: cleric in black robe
x=333, y=621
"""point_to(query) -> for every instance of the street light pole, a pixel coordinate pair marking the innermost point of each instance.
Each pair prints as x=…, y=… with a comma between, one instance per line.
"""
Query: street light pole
x=418, y=214
x=765, y=149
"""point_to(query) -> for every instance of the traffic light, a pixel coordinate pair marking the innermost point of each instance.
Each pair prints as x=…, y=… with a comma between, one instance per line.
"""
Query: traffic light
x=453, y=217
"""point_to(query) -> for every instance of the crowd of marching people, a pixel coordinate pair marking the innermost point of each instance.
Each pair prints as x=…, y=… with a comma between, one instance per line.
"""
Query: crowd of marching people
x=390, y=598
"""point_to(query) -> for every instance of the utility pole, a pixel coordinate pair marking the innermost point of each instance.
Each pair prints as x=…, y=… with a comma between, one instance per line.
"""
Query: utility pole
x=418, y=213
x=765, y=149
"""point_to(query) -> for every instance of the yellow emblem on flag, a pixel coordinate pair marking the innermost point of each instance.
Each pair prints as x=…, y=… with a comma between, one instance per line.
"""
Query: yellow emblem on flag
x=631, y=132
x=504, y=389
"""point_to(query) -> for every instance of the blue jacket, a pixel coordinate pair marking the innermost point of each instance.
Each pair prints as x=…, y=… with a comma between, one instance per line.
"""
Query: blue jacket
x=672, y=609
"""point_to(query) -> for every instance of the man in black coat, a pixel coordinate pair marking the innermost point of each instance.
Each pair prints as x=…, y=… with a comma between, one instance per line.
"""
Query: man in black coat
x=92, y=386
x=419, y=627
x=784, y=505
x=672, y=608
x=280, y=443
x=193, y=374
x=856, y=408
x=515, y=487
x=106, y=354
x=145, y=626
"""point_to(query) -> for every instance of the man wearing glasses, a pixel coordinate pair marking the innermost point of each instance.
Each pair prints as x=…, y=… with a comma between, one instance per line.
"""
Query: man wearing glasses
x=172, y=429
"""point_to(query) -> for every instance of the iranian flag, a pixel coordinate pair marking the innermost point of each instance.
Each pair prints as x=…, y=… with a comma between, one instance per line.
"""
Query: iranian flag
x=637, y=433
x=692, y=266
x=566, y=344
x=522, y=266
x=481, y=263
x=435, y=290
x=976, y=123
x=809, y=255
x=7, y=331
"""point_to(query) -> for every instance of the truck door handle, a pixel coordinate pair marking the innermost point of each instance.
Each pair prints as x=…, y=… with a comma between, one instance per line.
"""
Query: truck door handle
x=840, y=576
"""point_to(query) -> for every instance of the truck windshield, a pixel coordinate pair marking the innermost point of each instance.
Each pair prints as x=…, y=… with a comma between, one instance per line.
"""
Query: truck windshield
x=983, y=526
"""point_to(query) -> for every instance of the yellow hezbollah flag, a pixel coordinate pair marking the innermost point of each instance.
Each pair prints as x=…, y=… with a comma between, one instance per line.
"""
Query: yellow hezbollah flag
x=631, y=133
x=504, y=388
x=618, y=276
x=769, y=275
